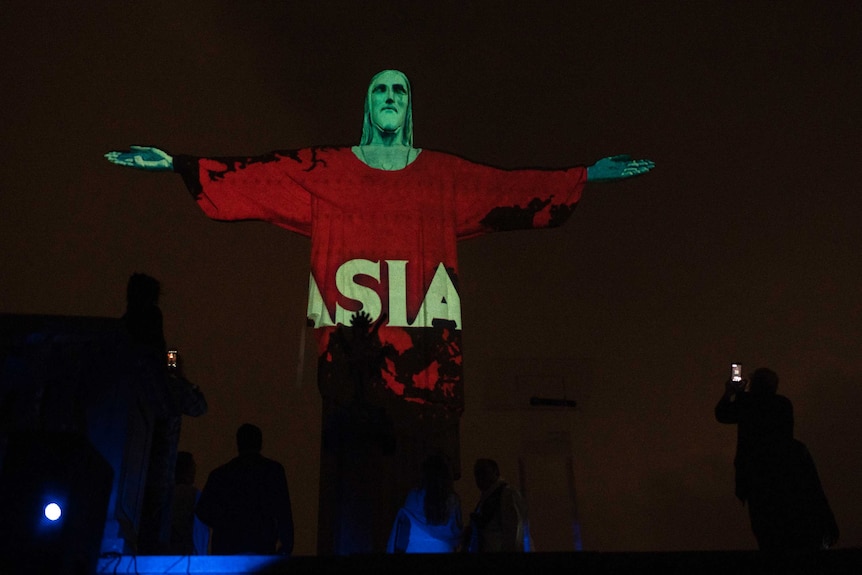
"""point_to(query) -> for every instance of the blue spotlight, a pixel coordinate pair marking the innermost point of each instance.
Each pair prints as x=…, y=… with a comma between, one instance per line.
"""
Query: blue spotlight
x=53, y=511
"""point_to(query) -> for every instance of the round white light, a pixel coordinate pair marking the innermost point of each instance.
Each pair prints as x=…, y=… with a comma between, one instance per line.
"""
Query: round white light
x=53, y=511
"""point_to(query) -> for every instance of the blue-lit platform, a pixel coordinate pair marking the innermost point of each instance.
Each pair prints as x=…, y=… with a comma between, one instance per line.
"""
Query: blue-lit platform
x=835, y=561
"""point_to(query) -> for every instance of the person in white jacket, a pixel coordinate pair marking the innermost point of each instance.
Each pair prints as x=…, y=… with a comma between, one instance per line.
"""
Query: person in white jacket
x=499, y=522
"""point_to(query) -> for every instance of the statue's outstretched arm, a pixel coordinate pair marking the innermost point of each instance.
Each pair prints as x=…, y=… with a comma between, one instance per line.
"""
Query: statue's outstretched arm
x=617, y=168
x=142, y=157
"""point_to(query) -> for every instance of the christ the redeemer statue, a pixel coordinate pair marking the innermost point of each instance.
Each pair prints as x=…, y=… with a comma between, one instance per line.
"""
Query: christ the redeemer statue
x=384, y=220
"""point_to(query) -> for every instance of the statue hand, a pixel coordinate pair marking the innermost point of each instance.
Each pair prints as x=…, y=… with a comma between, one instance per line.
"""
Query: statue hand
x=142, y=157
x=617, y=168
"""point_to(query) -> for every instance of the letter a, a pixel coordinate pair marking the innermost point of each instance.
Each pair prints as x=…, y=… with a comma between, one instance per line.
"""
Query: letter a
x=317, y=311
x=441, y=301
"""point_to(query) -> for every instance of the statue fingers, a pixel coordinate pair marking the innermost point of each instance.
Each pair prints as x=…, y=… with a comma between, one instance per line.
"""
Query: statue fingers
x=120, y=159
x=639, y=167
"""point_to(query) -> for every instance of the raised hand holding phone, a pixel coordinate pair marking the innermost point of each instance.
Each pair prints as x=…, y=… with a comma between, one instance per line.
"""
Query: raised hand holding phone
x=173, y=357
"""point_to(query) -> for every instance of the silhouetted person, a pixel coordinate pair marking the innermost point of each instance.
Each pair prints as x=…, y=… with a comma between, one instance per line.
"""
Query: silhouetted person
x=170, y=396
x=143, y=317
x=189, y=535
x=430, y=519
x=500, y=519
x=775, y=474
x=246, y=501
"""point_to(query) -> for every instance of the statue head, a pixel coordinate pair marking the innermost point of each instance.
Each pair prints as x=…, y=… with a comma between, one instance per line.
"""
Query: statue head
x=388, y=108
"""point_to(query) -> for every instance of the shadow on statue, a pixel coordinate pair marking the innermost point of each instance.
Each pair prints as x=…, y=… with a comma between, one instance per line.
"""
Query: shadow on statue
x=372, y=443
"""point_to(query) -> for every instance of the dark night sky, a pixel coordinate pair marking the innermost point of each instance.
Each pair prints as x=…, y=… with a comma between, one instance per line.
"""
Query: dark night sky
x=741, y=245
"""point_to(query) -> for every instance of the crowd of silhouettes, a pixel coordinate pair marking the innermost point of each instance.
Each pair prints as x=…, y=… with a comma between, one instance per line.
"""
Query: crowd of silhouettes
x=244, y=507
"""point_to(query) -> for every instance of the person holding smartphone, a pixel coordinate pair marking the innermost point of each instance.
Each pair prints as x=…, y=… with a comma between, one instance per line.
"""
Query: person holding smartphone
x=775, y=474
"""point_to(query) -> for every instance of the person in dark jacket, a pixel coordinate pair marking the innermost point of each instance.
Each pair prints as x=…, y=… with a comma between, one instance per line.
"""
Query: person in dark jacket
x=775, y=473
x=246, y=502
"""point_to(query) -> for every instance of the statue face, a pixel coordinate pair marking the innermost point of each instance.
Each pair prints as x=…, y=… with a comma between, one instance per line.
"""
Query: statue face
x=388, y=100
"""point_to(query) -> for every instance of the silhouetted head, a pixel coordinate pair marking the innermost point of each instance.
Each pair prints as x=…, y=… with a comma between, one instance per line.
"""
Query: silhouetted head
x=142, y=290
x=185, y=470
x=388, y=107
x=436, y=470
x=249, y=439
x=486, y=472
x=142, y=317
x=763, y=381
